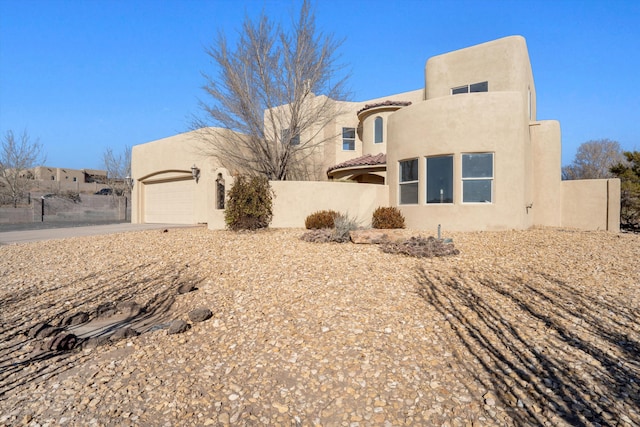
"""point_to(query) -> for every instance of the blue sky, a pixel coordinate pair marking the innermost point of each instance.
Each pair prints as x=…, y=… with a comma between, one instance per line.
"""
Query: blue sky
x=84, y=75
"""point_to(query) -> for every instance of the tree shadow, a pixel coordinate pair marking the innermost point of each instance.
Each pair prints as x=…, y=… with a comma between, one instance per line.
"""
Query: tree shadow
x=21, y=360
x=550, y=353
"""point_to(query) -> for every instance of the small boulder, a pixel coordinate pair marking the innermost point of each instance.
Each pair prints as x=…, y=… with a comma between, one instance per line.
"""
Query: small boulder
x=123, y=334
x=35, y=329
x=63, y=342
x=200, y=314
x=75, y=319
x=377, y=236
x=129, y=308
x=186, y=288
x=107, y=309
x=48, y=331
x=94, y=342
x=178, y=327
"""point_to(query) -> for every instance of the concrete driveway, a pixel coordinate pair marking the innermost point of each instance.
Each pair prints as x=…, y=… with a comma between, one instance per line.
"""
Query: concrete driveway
x=25, y=236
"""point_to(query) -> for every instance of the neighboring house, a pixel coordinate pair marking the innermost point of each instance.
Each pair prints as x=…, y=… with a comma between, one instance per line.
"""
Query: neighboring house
x=466, y=152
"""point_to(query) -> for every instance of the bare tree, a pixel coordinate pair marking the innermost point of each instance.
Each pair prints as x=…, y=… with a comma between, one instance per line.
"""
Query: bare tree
x=594, y=160
x=118, y=167
x=18, y=156
x=264, y=97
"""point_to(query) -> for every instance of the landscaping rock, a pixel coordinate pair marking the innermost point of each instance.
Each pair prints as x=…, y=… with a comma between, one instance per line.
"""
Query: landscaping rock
x=94, y=342
x=62, y=342
x=106, y=309
x=377, y=236
x=123, y=333
x=129, y=308
x=185, y=288
x=178, y=327
x=75, y=319
x=200, y=314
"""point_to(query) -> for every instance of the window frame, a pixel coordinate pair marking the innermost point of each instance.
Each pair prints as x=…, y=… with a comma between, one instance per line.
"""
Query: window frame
x=351, y=141
x=451, y=179
x=458, y=90
x=476, y=179
x=412, y=182
x=378, y=137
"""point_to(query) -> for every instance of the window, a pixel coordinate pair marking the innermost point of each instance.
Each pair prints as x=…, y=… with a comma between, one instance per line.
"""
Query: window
x=75, y=179
x=474, y=87
x=440, y=179
x=287, y=138
x=409, y=182
x=348, y=139
x=477, y=178
x=53, y=178
x=377, y=130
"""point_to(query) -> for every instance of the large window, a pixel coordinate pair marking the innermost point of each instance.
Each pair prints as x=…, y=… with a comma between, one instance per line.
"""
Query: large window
x=474, y=87
x=440, y=179
x=409, y=182
x=377, y=130
x=348, y=139
x=477, y=178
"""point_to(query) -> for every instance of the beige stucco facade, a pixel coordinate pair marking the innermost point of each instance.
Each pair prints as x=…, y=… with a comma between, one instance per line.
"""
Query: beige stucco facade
x=466, y=152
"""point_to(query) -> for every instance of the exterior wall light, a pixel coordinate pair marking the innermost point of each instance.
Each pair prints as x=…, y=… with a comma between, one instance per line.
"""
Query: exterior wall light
x=195, y=172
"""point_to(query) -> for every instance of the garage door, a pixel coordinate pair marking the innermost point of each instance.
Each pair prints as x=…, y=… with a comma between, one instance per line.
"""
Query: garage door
x=169, y=202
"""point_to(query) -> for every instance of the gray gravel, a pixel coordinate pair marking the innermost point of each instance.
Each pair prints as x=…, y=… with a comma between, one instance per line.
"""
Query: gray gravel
x=536, y=327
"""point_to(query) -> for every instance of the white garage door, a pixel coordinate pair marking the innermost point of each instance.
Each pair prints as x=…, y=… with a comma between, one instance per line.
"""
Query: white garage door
x=169, y=202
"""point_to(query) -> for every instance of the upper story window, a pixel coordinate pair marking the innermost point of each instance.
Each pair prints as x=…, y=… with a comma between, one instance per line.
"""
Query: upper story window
x=409, y=182
x=286, y=137
x=377, y=130
x=477, y=178
x=475, y=87
x=440, y=179
x=348, y=139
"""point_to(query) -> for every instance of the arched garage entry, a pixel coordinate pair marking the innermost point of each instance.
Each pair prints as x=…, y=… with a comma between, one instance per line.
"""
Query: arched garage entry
x=168, y=197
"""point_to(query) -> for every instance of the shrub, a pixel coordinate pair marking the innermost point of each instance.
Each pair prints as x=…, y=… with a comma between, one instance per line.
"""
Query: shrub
x=250, y=203
x=420, y=247
x=384, y=217
x=343, y=225
x=320, y=219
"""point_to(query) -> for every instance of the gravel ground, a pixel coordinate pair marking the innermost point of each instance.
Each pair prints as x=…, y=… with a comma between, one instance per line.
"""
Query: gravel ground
x=537, y=327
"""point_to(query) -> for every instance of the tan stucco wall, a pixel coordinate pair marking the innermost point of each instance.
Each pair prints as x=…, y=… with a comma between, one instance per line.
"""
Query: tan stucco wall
x=295, y=200
x=546, y=165
x=504, y=63
x=591, y=204
x=485, y=122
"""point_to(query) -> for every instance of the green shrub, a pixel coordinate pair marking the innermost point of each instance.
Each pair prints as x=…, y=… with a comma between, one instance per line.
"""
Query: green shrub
x=249, y=204
x=320, y=219
x=384, y=217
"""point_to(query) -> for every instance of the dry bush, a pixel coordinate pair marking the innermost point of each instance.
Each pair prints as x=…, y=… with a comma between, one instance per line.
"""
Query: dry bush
x=387, y=218
x=421, y=247
x=321, y=219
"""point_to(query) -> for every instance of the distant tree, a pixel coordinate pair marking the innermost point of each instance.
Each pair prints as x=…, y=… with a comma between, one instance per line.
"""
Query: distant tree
x=629, y=174
x=264, y=93
x=18, y=156
x=118, y=167
x=594, y=160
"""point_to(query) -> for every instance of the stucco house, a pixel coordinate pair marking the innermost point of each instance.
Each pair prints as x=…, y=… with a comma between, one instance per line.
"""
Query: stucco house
x=466, y=152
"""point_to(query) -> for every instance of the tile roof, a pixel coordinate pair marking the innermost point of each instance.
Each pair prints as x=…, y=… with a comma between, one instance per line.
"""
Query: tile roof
x=387, y=103
x=367, y=160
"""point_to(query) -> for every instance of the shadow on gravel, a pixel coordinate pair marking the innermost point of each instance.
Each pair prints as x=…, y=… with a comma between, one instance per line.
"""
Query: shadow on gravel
x=563, y=357
x=21, y=361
